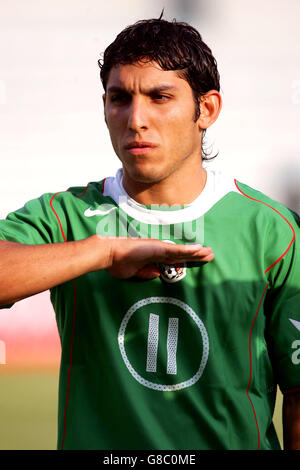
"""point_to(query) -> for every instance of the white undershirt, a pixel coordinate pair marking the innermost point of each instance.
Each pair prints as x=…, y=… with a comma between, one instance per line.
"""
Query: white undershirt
x=216, y=187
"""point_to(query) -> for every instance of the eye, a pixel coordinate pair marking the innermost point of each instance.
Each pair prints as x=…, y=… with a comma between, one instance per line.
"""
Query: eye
x=160, y=97
x=119, y=98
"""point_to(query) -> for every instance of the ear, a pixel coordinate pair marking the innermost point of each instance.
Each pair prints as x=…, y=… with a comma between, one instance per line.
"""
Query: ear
x=210, y=107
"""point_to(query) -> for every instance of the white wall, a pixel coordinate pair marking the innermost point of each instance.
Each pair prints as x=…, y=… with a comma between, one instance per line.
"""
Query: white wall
x=52, y=133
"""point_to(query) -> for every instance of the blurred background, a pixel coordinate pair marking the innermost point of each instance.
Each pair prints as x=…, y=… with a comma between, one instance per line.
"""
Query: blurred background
x=52, y=136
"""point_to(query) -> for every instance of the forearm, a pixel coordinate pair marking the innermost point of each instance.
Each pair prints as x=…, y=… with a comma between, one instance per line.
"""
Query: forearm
x=26, y=270
x=291, y=421
x=29, y=269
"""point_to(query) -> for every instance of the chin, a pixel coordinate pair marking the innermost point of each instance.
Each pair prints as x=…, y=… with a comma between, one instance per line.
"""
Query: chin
x=142, y=174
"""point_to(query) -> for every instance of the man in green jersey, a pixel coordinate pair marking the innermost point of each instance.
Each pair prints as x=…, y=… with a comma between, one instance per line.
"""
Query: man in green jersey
x=176, y=289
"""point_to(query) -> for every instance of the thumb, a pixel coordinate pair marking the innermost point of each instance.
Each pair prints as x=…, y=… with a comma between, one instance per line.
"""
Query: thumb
x=151, y=271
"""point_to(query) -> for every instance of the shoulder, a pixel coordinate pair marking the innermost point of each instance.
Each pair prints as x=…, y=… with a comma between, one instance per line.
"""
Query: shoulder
x=269, y=220
x=255, y=215
x=90, y=192
x=244, y=200
x=261, y=204
x=257, y=219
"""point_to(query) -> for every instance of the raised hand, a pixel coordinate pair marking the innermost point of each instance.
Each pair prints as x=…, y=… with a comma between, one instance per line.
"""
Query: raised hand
x=138, y=257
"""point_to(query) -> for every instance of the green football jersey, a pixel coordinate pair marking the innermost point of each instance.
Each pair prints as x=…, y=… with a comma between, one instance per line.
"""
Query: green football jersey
x=190, y=359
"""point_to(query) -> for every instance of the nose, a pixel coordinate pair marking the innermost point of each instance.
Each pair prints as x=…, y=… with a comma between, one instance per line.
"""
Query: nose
x=137, y=115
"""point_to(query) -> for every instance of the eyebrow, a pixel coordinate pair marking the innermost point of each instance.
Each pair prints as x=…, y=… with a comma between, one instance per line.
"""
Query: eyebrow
x=149, y=91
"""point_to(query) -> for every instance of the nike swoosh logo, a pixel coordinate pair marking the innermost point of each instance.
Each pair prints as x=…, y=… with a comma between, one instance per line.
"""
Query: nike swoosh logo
x=90, y=212
x=295, y=323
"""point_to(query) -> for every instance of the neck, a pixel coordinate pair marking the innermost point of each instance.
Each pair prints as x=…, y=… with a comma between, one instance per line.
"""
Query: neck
x=178, y=188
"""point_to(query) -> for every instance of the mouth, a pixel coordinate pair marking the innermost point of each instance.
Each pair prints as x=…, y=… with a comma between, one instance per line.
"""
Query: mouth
x=138, y=148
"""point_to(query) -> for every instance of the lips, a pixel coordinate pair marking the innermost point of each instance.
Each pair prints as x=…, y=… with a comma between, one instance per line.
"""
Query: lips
x=139, y=145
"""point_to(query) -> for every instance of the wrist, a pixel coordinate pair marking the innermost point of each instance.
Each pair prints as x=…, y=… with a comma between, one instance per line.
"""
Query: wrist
x=100, y=252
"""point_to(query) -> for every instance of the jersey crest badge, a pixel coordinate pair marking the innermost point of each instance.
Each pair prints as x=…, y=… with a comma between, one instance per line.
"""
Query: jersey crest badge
x=172, y=272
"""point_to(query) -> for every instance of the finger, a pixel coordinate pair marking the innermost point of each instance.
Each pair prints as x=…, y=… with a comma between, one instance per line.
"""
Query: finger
x=204, y=251
x=199, y=255
x=208, y=258
x=185, y=248
x=151, y=271
x=192, y=259
x=183, y=251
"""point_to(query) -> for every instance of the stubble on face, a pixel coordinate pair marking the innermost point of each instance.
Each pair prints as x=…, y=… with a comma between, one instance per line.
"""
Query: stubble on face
x=144, y=103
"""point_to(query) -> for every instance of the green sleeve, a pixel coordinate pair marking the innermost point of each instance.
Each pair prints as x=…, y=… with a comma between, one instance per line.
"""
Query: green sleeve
x=33, y=224
x=283, y=315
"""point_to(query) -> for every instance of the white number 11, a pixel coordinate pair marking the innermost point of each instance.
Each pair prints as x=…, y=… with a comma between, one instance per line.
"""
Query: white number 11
x=152, y=346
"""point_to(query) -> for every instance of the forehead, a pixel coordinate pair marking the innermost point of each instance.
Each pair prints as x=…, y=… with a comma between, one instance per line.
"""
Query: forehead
x=139, y=75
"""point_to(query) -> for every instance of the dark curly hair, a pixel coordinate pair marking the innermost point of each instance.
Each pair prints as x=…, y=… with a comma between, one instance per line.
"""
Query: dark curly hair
x=173, y=46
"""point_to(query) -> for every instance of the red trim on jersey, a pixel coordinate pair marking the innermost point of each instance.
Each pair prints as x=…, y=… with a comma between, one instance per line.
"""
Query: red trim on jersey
x=271, y=266
x=292, y=241
x=61, y=229
x=56, y=213
x=250, y=357
x=103, y=185
x=84, y=191
x=73, y=325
